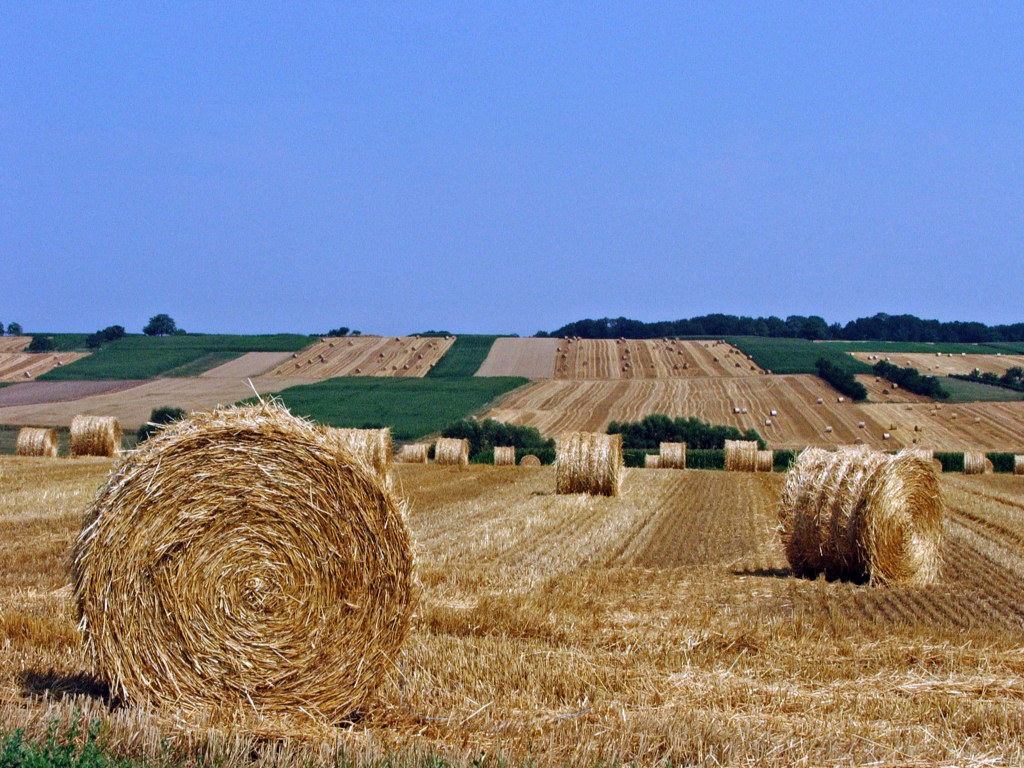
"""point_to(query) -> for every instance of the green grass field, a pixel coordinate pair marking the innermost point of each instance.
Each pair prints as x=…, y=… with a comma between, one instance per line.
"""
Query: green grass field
x=961, y=391
x=463, y=358
x=144, y=357
x=412, y=407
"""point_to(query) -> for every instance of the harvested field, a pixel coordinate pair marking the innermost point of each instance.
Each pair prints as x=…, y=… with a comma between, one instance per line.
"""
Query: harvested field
x=529, y=358
x=14, y=343
x=943, y=365
x=23, y=366
x=250, y=364
x=580, y=630
x=649, y=359
x=365, y=356
x=37, y=392
x=881, y=391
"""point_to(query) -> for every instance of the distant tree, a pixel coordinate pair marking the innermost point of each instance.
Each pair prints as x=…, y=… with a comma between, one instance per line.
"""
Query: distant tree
x=14, y=329
x=110, y=333
x=1, y=329
x=40, y=344
x=357, y=333
x=160, y=325
x=343, y=331
x=165, y=414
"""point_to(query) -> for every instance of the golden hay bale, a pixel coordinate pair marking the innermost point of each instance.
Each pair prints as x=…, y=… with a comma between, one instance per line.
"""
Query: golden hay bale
x=95, y=436
x=673, y=455
x=373, y=446
x=239, y=562
x=974, y=463
x=765, y=461
x=504, y=456
x=652, y=460
x=862, y=515
x=529, y=460
x=740, y=456
x=414, y=453
x=1018, y=465
x=589, y=462
x=451, y=451
x=37, y=441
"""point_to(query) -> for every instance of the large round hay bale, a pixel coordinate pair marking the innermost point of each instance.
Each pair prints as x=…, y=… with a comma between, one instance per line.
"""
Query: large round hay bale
x=95, y=436
x=1018, y=465
x=974, y=463
x=373, y=446
x=36, y=441
x=765, y=461
x=529, y=460
x=451, y=451
x=652, y=460
x=589, y=462
x=414, y=453
x=238, y=560
x=673, y=455
x=504, y=456
x=740, y=456
x=862, y=516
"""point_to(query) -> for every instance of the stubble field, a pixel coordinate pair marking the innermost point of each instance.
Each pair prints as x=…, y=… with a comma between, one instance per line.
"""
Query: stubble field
x=660, y=626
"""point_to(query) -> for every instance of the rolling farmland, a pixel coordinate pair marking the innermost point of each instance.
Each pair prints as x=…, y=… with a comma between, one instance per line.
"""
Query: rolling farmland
x=937, y=364
x=365, y=356
x=556, y=630
x=649, y=359
x=24, y=366
x=530, y=358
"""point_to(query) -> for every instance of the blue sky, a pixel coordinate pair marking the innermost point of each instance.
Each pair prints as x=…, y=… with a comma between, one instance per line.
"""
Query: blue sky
x=507, y=167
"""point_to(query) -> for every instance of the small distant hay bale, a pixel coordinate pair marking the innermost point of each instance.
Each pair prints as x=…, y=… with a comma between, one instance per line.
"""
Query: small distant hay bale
x=862, y=516
x=589, y=462
x=652, y=460
x=451, y=451
x=414, y=453
x=37, y=441
x=975, y=463
x=672, y=455
x=374, y=446
x=95, y=436
x=740, y=456
x=765, y=461
x=529, y=460
x=1018, y=464
x=820, y=400
x=239, y=563
x=504, y=455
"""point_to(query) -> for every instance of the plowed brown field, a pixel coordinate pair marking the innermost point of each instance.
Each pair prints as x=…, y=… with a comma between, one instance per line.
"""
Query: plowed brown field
x=23, y=366
x=649, y=359
x=365, y=356
x=661, y=626
x=943, y=365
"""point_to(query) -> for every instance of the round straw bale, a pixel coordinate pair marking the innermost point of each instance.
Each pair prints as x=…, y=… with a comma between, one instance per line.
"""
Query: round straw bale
x=451, y=451
x=240, y=562
x=95, y=436
x=529, y=460
x=414, y=453
x=974, y=463
x=504, y=455
x=673, y=455
x=373, y=446
x=36, y=441
x=589, y=462
x=1018, y=464
x=765, y=461
x=862, y=516
x=652, y=460
x=740, y=456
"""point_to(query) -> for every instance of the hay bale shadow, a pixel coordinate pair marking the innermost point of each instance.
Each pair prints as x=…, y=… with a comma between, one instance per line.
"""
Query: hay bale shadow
x=765, y=573
x=56, y=685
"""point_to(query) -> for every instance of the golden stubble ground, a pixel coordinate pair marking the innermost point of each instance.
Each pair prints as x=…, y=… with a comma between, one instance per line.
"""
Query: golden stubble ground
x=660, y=626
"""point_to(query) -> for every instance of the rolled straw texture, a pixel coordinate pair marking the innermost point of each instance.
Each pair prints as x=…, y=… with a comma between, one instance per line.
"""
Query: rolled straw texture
x=974, y=463
x=765, y=461
x=529, y=460
x=673, y=455
x=238, y=561
x=373, y=446
x=1018, y=465
x=37, y=441
x=589, y=462
x=451, y=451
x=414, y=453
x=862, y=516
x=652, y=460
x=505, y=456
x=95, y=436
x=740, y=456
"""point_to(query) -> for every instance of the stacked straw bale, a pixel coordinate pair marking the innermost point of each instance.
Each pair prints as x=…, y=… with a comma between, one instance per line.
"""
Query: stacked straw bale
x=862, y=516
x=740, y=456
x=373, y=446
x=529, y=460
x=451, y=451
x=504, y=456
x=589, y=462
x=673, y=455
x=975, y=463
x=1018, y=465
x=240, y=563
x=652, y=460
x=414, y=453
x=95, y=436
x=37, y=441
x=765, y=461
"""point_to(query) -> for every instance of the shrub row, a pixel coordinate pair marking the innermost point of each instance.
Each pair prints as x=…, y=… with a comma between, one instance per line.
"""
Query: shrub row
x=842, y=380
x=911, y=380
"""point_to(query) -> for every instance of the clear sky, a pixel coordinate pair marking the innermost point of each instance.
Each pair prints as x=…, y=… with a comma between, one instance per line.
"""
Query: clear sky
x=507, y=167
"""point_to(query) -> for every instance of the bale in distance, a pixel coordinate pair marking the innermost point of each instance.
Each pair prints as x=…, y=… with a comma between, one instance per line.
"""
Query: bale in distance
x=765, y=461
x=862, y=516
x=740, y=456
x=37, y=441
x=414, y=453
x=673, y=455
x=974, y=463
x=529, y=460
x=504, y=455
x=589, y=462
x=95, y=436
x=652, y=460
x=240, y=562
x=451, y=451
x=373, y=446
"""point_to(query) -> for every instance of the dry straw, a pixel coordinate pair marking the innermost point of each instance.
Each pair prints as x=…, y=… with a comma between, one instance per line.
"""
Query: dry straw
x=239, y=562
x=529, y=460
x=373, y=446
x=451, y=451
x=95, y=436
x=862, y=516
x=652, y=460
x=1018, y=465
x=589, y=462
x=37, y=441
x=765, y=461
x=504, y=456
x=414, y=453
x=740, y=456
x=975, y=463
x=673, y=455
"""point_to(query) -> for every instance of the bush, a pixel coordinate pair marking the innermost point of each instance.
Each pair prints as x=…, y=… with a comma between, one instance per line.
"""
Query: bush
x=165, y=414
x=911, y=380
x=844, y=381
x=14, y=329
x=160, y=325
x=484, y=435
x=951, y=462
x=713, y=458
x=783, y=460
x=657, y=428
x=40, y=344
x=1001, y=462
